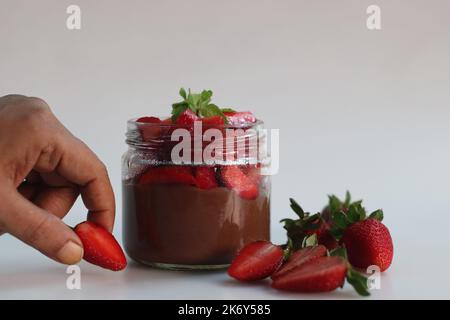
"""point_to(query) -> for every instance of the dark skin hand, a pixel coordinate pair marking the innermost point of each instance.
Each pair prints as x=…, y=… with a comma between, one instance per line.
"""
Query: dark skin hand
x=43, y=169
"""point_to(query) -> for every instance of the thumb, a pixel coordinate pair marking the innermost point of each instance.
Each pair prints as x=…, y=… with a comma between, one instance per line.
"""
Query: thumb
x=40, y=229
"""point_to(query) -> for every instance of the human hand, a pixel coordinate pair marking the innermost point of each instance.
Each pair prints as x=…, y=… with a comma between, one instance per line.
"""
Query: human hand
x=43, y=169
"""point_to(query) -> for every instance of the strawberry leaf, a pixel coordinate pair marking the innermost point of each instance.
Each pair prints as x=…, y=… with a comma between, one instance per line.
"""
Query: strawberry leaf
x=377, y=214
x=297, y=209
x=340, y=220
x=358, y=282
x=354, y=278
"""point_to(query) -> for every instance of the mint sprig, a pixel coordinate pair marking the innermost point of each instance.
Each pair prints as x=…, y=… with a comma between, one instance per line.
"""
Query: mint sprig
x=199, y=103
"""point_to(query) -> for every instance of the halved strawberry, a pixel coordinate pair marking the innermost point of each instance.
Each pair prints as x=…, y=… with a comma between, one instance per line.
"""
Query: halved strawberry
x=319, y=275
x=236, y=118
x=168, y=175
x=100, y=246
x=299, y=258
x=205, y=177
x=256, y=261
x=235, y=179
x=149, y=132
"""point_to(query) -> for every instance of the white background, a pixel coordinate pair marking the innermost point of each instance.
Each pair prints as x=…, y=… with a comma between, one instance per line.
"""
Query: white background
x=362, y=110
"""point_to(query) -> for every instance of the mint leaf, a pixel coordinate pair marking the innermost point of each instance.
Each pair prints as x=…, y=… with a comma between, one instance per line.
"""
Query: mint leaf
x=228, y=110
x=212, y=110
x=183, y=93
x=178, y=109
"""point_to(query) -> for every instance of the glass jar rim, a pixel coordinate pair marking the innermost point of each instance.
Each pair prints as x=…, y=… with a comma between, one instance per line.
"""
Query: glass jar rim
x=242, y=125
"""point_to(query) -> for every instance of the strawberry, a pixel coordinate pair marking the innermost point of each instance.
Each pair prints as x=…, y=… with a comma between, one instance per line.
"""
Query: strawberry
x=187, y=118
x=256, y=261
x=324, y=236
x=168, y=175
x=368, y=242
x=318, y=275
x=253, y=172
x=100, y=246
x=299, y=258
x=235, y=179
x=205, y=177
x=213, y=121
x=237, y=118
x=149, y=132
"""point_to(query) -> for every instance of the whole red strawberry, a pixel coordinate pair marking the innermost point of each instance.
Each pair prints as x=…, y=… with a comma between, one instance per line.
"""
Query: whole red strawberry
x=100, y=246
x=368, y=242
x=256, y=261
x=318, y=275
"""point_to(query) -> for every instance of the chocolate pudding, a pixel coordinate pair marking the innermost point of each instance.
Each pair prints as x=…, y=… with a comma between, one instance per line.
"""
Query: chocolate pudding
x=182, y=225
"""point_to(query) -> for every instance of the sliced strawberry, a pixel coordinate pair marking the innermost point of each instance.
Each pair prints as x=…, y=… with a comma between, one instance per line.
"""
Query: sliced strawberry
x=213, y=121
x=168, y=175
x=205, y=177
x=149, y=132
x=319, y=275
x=149, y=120
x=256, y=261
x=187, y=118
x=235, y=118
x=100, y=246
x=299, y=258
x=254, y=173
x=235, y=179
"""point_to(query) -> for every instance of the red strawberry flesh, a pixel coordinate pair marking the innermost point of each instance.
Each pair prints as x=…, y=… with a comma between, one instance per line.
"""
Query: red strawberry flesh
x=235, y=179
x=100, y=246
x=238, y=118
x=205, y=177
x=299, y=258
x=256, y=261
x=319, y=275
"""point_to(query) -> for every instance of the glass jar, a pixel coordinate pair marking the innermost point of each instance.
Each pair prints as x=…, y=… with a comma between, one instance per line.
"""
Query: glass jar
x=193, y=209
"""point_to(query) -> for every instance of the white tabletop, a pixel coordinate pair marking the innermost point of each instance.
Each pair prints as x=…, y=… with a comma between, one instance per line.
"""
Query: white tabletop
x=25, y=274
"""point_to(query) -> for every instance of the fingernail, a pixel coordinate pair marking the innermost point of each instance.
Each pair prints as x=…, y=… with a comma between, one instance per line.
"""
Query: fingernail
x=70, y=253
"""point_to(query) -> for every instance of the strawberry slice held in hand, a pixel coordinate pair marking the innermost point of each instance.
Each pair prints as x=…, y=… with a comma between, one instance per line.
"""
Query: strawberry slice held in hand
x=256, y=261
x=168, y=175
x=299, y=258
x=205, y=177
x=319, y=275
x=234, y=178
x=100, y=247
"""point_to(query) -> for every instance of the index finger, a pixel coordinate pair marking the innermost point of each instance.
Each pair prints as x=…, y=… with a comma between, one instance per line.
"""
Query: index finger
x=82, y=167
